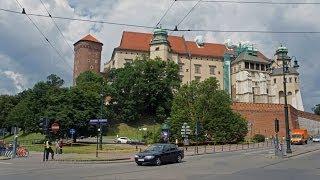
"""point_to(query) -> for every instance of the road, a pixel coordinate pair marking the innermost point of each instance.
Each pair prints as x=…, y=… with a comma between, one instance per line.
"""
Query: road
x=246, y=165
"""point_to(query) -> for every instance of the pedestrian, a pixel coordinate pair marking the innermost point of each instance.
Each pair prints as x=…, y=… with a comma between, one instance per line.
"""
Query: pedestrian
x=57, y=147
x=60, y=146
x=50, y=150
x=46, y=150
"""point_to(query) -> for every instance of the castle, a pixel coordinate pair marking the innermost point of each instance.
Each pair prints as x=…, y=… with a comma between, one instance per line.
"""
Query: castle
x=244, y=72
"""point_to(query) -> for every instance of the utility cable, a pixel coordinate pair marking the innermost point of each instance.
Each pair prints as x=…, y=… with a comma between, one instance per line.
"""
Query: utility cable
x=166, y=12
x=43, y=35
x=56, y=26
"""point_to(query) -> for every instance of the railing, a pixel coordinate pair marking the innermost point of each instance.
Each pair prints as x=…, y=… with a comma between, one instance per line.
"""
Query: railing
x=209, y=149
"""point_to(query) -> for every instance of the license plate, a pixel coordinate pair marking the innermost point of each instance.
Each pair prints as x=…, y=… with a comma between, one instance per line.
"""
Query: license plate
x=140, y=159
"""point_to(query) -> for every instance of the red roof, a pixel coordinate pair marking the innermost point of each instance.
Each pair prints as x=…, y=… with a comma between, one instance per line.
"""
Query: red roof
x=89, y=37
x=140, y=42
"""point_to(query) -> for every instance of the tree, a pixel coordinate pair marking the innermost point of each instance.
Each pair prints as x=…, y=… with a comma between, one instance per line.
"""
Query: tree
x=316, y=109
x=211, y=107
x=6, y=104
x=143, y=90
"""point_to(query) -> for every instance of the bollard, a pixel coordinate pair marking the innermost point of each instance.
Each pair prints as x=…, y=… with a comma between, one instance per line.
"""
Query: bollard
x=229, y=147
x=222, y=148
x=248, y=145
x=214, y=148
x=205, y=149
x=242, y=146
x=258, y=145
x=237, y=147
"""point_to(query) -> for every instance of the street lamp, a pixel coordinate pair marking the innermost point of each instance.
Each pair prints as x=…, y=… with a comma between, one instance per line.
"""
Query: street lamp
x=282, y=55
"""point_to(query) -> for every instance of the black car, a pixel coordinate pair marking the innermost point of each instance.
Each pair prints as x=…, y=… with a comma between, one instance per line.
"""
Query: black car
x=158, y=154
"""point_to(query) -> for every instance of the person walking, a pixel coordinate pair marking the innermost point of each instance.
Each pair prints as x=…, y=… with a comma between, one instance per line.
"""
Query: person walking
x=60, y=146
x=46, y=149
x=57, y=147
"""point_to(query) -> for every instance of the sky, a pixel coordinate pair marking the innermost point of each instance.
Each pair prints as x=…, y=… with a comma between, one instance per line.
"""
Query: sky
x=26, y=57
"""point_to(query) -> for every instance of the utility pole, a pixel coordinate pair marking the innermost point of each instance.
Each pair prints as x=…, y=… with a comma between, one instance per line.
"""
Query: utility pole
x=101, y=113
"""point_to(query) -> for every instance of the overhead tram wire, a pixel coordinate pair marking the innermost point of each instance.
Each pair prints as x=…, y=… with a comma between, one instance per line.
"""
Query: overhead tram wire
x=168, y=29
x=64, y=38
x=255, y=2
x=166, y=12
x=194, y=6
x=43, y=35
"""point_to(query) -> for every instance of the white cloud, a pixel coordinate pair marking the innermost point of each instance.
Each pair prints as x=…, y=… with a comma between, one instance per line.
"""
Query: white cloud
x=17, y=78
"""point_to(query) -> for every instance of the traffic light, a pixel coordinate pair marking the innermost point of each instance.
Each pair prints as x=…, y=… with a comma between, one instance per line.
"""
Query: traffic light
x=276, y=125
x=44, y=124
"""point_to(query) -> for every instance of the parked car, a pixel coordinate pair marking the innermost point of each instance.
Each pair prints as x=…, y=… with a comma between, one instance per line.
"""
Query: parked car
x=158, y=154
x=122, y=140
x=316, y=138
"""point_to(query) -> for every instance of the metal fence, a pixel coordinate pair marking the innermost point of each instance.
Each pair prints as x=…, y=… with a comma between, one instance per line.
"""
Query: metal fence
x=209, y=149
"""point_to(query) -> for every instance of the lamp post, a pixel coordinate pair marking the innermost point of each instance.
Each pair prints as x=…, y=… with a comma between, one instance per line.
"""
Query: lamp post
x=282, y=55
x=101, y=114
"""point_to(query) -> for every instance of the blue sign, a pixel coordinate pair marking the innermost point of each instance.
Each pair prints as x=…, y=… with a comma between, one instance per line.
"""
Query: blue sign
x=72, y=131
x=98, y=121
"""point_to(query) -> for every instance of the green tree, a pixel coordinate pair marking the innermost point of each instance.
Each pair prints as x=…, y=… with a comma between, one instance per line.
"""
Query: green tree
x=7, y=103
x=316, y=109
x=143, y=90
x=211, y=107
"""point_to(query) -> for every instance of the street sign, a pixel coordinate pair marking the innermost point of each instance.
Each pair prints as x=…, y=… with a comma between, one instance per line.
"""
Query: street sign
x=72, y=131
x=55, y=127
x=98, y=121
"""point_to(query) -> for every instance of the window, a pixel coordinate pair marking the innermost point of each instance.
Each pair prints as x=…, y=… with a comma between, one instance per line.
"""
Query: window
x=91, y=67
x=274, y=81
x=251, y=66
x=157, y=49
x=246, y=65
x=295, y=79
x=181, y=77
x=257, y=66
x=267, y=91
x=187, y=70
x=197, y=78
x=128, y=61
x=212, y=69
x=197, y=68
x=88, y=60
x=263, y=67
x=290, y=80
x=181, y=67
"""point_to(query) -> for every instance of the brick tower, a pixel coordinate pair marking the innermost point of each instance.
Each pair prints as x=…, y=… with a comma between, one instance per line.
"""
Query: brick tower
x=87, y=56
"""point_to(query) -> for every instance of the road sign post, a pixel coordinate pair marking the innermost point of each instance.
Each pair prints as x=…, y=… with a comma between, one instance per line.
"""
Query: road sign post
x=185, y=132
x=72, y=132
x=99, y=123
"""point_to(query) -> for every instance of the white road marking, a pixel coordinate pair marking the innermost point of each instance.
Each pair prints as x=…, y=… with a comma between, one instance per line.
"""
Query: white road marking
x=5, y=163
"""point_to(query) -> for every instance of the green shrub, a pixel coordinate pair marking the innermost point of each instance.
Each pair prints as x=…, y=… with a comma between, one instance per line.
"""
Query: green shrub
x=258, y=138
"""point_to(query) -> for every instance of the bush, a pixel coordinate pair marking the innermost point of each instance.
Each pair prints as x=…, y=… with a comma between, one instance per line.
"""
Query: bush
x=258, y=138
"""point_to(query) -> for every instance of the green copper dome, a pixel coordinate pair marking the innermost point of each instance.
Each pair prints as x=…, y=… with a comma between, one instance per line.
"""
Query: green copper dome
x=160, y=36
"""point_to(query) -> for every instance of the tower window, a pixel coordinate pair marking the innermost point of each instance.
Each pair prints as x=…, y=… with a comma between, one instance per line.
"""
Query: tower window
x=181, y=67
x=263, y=68
x=157, y=49
x=251, y=66
x=197, y=68
x=212, y=69
x=91, y=67
x=295, y=79
x=246, y=65
x=257, y=66
x=88, y=60
x=274, y=81
x=290, y=80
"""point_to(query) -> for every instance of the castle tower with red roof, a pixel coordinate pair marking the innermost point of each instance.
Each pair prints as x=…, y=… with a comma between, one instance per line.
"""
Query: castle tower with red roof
x=87, y=56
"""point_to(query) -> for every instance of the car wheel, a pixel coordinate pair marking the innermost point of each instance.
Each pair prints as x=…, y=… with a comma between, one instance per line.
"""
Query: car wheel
x=158, y=161
x=139, y=164
x=179, y=159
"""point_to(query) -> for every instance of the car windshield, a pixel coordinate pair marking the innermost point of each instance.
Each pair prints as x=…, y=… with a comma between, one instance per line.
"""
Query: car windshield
x=155, y=147
x=296, y=136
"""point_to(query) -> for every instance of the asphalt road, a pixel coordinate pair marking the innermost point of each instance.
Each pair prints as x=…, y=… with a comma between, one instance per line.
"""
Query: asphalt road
x=246, y=165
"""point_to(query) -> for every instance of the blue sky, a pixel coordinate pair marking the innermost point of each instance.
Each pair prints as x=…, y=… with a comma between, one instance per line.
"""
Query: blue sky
x=26, y=58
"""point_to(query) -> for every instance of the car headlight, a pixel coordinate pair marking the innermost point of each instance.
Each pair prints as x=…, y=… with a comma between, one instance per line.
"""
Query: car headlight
x=136, y=156
x=149, y=157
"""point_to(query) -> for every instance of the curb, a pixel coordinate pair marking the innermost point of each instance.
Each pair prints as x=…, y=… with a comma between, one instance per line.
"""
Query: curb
x=87, y=161
x=4, y=158
x=301, y=153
